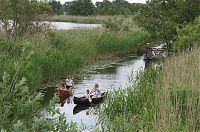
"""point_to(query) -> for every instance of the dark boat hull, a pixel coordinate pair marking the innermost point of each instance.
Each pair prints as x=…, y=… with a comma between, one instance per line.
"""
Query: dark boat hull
x=85, y=101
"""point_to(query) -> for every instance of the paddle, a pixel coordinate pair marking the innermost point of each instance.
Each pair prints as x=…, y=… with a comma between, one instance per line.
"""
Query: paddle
x=88, y=97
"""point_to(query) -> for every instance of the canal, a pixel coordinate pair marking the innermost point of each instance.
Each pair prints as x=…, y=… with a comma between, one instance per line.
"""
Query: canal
x=111, y=74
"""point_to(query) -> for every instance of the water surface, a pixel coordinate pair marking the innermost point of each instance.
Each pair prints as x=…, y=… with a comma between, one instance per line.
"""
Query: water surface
x=110, y=74
x=68, y=26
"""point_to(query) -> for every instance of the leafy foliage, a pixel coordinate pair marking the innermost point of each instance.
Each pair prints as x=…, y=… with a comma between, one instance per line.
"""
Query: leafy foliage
x=20, y=109
x=82, y=7
x=115, y=25
x=20, y=17
x=162, y=18
x=86, y=7
x=57, y=7
x=188, y=36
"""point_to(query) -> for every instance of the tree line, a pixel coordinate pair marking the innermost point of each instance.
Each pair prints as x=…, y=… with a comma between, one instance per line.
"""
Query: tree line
x=86, y=7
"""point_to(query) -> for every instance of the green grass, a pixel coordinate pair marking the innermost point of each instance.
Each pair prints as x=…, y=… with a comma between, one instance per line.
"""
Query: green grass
x=78, y=19
x=131, y=108
x=86, y=19
x=63, y=53
x=112, y=42
x=164, y=100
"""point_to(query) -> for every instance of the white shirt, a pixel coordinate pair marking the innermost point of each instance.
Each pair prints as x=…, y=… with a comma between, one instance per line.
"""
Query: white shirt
x=69, y=82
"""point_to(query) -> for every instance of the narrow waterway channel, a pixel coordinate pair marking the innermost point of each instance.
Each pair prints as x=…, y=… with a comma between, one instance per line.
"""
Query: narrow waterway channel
x=109, y=74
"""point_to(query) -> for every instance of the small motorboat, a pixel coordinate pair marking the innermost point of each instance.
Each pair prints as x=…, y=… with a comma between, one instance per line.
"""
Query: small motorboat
x=81, y=99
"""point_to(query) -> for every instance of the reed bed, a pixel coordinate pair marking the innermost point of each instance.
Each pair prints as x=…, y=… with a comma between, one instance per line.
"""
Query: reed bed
x=63, y=53
x=89, y=19
x=164, y=100
x=78, y=19
x=112, y=42
x=130, y=108
x=179, y=93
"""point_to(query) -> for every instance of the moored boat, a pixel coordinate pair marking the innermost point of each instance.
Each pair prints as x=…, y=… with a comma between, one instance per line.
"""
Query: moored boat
x=83, y=100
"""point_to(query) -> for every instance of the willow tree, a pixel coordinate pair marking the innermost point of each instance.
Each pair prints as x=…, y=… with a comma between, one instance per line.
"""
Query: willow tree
x=20, y=17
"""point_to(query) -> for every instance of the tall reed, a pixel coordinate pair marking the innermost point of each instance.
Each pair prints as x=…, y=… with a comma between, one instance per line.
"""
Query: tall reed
x=62, y=53
x=131, y=108
x=166, y=100
x=80, y=19
x=179, y=93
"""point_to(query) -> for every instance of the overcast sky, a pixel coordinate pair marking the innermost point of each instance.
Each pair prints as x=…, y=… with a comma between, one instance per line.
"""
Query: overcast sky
x=94, y=1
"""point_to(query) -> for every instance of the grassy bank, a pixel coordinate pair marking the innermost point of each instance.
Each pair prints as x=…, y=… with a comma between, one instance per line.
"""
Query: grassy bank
x=167, y=100
x=78, y=19
x=46, y=59
x=85, y=19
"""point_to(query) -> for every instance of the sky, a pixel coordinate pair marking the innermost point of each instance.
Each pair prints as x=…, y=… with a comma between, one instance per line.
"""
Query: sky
x=94, y=1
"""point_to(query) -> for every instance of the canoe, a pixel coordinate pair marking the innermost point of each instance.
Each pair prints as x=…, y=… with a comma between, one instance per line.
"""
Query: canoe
x=82, y=100
x=64, y=92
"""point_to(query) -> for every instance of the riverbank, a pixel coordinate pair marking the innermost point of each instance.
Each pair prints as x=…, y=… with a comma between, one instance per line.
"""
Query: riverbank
x=83, y=19
x=162, y=100
x=47, y=59
x=78, y=19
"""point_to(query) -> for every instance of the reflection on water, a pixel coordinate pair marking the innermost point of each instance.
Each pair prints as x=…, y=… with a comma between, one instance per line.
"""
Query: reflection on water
x=64, y=99
x=110, y=74
x=78, y=109
x=84, y=116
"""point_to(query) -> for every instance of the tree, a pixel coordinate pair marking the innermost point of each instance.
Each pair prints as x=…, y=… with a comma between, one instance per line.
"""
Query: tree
x=188, y=36
x=116, y=7
x=105, y=8
x=66, y=6
x=19, y=17
x=121, y=7
x=162, y=17
x=82, y=7
x=57, y=7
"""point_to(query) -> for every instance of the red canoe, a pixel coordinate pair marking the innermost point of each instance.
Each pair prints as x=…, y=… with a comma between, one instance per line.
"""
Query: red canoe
x=64, y=92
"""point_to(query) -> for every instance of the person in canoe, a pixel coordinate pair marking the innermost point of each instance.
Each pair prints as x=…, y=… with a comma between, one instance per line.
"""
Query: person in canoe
x=96, y=91
x=61, y=87
x=87, y=95
x=147, y=52
x=63, y=91
x=70, y=84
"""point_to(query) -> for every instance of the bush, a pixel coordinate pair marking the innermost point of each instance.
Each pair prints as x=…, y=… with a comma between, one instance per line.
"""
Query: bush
x=20, y=109
x=188, y=36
